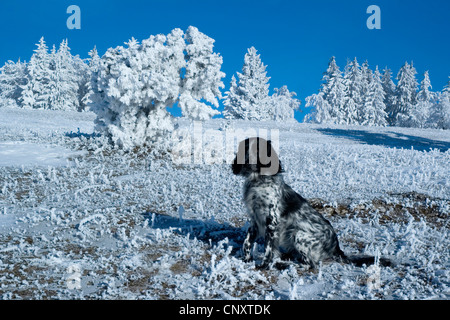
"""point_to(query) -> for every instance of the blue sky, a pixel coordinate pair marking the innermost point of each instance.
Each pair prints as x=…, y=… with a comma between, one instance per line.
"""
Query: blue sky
x=295, y=38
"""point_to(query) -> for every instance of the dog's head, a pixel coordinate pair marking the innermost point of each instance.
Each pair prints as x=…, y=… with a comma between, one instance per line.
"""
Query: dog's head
x=256, y=155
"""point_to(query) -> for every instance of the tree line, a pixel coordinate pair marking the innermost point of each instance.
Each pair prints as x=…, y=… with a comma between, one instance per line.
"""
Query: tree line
x=360, y=96
x=60, y=81
x=52, y=79
x=130, y=88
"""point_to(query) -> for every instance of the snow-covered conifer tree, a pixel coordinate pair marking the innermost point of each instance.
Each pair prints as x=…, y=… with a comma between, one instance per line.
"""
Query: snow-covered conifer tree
x=249, y=98
x=353, y=99
x=389, y=95
x=374, y=107
x=36, y=92
x=420, y=112
x=366, y=78
x=406, y=94
x=329, y=104
x=11, y=80
x=235, y=106
x=440, y=112
x=365, y=84
x=445, y=106
x=64, y=82
x=333, y=90
x=85, y=90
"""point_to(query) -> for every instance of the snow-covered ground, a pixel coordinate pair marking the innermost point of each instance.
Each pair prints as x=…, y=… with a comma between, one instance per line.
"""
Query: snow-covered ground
x=79, y=221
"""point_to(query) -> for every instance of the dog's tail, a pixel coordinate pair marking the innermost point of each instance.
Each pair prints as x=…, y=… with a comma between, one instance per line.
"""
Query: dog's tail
x=360, y=260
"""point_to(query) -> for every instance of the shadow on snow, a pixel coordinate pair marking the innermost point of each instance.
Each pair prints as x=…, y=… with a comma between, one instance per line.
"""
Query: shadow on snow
x=209, y=231
x=80, y=134
x=389, y=139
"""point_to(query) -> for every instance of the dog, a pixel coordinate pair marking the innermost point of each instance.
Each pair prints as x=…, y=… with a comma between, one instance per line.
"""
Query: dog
x=291, y=228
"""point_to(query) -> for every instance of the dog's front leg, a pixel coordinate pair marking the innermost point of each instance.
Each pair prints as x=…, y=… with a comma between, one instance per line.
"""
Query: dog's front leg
x=271, y=240
x=248, y=242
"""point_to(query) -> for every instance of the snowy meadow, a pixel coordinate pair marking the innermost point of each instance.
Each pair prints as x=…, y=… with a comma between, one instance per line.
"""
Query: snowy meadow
x=80, y=220
x=105, y=194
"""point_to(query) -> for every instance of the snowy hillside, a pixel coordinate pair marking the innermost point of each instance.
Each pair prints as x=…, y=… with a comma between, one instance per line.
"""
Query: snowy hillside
x=79, y=221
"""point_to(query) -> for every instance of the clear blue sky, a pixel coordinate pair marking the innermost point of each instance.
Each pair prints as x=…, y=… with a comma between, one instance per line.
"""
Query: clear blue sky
x=295, y=38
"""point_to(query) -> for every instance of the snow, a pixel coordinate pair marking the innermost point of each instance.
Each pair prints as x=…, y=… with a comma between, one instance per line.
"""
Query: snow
x=13, y=153
x=80, y=221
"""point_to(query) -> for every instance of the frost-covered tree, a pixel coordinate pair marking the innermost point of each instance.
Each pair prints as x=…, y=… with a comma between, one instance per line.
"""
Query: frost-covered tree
x=374, y=107
x=135, y=84
x=85, y=90
x=202, y=79
x=333, y=90
x=132, y=88
x=283, y=104
x=321, y=112
x=365, y=87
x=11, y=80
x=389, y=97
x=235, y=106
x=248, y=97
x=329, y=104
x=353, y=98
x=440, y=112
x=52, y=80
x=366, y=78
x=406, y=95
x=36, y=92
x=420, y=112
x=65, y=79
x=377, y=100
x=445, y=106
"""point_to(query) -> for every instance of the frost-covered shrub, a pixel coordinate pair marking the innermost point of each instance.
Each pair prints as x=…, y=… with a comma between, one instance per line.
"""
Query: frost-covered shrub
x=283, y=104
x=135, y=84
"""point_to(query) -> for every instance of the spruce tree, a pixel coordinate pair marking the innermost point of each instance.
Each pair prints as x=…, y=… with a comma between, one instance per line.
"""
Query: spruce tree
x=249, y=98
x=36, y=92
x=333, y=89
x=234, y=104
x=11, y=80
x=406, y=94
x=365, y=87
x=353, y=99
x=389, y=95
x=328, y=105
x=445, y=106
x=420, y=112
x=440, y=112
x=374, y=107
x=85, y=90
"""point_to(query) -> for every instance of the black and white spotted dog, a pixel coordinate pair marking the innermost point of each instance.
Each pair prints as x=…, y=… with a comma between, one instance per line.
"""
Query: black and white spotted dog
x=291, y=228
